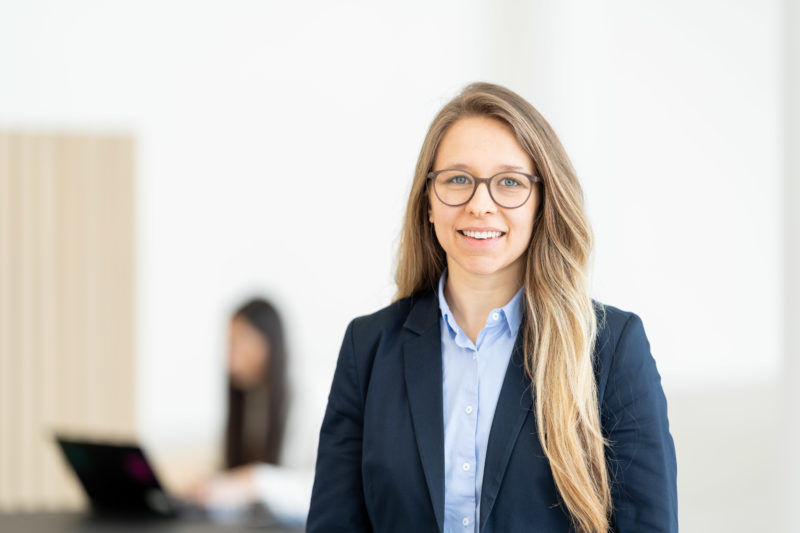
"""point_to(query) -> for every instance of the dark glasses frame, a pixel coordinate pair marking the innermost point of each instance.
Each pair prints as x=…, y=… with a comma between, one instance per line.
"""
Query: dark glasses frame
x=477, y=181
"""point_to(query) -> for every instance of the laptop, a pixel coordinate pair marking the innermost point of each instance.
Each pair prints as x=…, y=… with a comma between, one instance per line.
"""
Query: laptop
x=118, y=479
x=120, y=482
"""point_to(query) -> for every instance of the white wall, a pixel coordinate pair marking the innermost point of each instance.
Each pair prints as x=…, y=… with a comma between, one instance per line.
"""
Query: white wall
x=791, y=203
x=277, y=140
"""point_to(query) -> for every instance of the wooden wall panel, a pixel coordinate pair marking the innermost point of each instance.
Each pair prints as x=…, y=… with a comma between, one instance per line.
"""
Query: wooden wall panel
x=66, y=306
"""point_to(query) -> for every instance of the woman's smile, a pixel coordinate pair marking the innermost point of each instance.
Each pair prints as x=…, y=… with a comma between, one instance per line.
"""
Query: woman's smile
x=481, y=234
x=478, y=239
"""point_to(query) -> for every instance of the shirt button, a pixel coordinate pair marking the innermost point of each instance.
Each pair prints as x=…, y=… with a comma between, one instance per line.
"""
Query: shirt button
x=495, y=316
x=468, y=410
x=474, y=355
x=465, y=521
x=465, y=466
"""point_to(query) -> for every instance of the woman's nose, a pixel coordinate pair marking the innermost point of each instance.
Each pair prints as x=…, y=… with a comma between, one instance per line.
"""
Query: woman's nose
x=481, y=202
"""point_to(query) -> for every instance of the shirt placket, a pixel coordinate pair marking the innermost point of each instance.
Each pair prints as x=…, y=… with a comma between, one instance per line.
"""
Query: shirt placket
x=467, y=457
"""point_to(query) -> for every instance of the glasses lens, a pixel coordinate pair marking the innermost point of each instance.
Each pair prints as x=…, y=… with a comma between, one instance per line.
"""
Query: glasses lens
x=510, y=189
x=454, y=187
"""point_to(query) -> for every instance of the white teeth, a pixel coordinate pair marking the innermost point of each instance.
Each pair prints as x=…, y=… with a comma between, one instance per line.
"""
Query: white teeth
x=482, y=234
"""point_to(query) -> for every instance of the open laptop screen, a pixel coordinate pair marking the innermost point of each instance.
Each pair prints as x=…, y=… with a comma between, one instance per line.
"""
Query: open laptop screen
x=117, y=478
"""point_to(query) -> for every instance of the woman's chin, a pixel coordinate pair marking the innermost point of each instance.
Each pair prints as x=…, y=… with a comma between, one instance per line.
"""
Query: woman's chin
x=485, y=268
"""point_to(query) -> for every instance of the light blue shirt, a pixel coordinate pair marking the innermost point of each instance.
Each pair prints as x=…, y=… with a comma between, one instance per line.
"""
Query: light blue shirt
x=472, y=377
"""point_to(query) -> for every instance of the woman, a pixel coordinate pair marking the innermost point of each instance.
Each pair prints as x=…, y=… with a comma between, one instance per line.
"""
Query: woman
x=257, y=413
x=257, y=395
x=494, y=394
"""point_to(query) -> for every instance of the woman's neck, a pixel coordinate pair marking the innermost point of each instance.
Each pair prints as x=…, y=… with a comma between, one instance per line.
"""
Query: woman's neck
x=472, y=297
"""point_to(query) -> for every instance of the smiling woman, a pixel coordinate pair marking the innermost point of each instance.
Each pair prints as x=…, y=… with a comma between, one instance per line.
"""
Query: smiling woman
x=495, y=394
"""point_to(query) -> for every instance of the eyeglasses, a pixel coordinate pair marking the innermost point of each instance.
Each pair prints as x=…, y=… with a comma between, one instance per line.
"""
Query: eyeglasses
x=507, y=189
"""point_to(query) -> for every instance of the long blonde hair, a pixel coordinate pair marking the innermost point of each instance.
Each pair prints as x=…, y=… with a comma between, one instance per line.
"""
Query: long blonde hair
x=560, y=323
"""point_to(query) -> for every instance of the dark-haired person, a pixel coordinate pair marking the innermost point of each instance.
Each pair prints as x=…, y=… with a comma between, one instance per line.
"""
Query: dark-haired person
x=494, y=394
x=257, y=417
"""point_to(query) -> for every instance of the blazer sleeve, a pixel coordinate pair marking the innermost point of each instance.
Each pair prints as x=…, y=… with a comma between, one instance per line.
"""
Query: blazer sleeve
x=641, y=458
x=337, y=499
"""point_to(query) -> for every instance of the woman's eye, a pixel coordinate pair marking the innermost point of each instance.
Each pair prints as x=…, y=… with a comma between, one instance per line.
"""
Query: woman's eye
x=509, y=182
x=459, y=180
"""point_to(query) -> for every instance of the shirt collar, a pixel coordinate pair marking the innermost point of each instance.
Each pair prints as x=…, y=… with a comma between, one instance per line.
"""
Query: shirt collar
x=511, y=313
x=444, y=308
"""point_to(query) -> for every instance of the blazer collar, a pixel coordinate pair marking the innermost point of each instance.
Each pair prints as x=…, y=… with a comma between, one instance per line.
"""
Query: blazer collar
x=424, y=312
x=422, y=360
x=423, y=376
x=513, y=407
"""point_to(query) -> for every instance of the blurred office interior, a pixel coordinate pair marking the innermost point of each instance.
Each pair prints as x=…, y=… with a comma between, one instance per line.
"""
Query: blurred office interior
x=161, y=161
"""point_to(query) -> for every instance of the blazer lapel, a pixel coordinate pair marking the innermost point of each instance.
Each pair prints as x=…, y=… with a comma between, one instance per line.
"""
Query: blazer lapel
x=513, y=407
x=422, y=358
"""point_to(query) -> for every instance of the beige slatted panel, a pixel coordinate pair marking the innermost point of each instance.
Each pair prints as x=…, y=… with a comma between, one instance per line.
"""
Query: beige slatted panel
x=53, y=486
x=12, y=333
x=6, y=405
x=28, y=387
x=117, y=157
x=66, y=306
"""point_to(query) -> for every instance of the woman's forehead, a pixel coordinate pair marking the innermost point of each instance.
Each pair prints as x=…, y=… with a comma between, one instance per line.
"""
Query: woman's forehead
x=484, y=142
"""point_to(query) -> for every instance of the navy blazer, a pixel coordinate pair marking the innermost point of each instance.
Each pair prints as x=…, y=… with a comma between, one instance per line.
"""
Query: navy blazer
x=380, y=465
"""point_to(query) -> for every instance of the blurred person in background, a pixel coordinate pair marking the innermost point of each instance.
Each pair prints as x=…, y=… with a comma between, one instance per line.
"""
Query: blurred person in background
x=258, y=408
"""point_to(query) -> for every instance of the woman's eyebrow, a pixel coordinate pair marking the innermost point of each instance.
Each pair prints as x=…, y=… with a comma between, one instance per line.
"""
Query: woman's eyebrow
x=457, y=166
x=514, y=167
x=501, y=168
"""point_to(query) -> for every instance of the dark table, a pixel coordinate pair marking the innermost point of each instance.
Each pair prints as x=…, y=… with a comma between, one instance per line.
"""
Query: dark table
x=80, y=522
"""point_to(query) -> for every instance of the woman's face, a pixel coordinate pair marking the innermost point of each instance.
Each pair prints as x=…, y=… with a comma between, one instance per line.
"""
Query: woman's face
x=484, y=147
x=248, y=354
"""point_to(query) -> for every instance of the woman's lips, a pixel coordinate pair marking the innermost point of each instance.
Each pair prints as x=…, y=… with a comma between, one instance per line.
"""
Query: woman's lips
x=482, y=235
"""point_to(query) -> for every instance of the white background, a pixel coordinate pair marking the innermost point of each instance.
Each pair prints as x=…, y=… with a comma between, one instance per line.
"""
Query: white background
x=276, y=142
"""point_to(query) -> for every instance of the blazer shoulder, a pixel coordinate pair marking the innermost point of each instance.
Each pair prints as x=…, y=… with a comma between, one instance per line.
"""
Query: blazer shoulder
x=415, y=313
x=389, y=318
x=611, y=322
x=620, y=341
